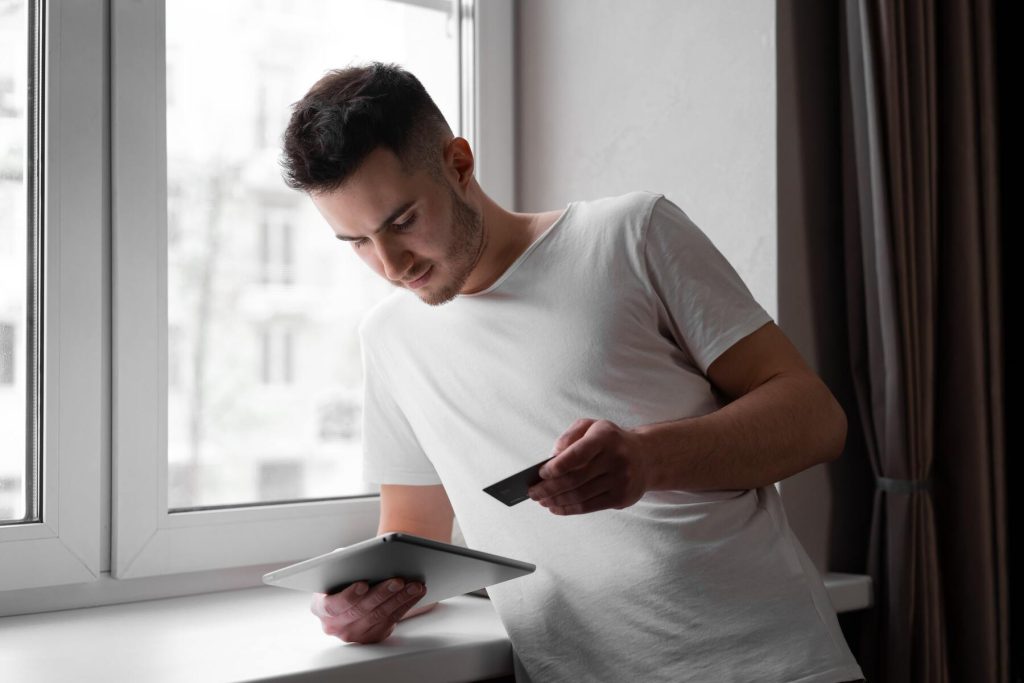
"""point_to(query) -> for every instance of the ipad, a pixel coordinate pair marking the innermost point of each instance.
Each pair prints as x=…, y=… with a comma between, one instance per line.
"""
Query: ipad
x=447, y=570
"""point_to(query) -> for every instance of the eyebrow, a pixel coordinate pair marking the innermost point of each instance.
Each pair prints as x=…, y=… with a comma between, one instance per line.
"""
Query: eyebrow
x=392, y=217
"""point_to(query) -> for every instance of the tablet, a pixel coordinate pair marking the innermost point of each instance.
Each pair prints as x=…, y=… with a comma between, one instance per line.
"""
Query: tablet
x=447, y=570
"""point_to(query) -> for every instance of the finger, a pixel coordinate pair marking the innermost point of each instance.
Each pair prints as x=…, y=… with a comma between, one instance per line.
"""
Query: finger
x=575, y=431
x=378, y=633
x=600, y=483
x=380, y=594
x=379, y=624
x=601, y=501
x=406, y=602
x=380, y=610
x=367, y=620
x=353, y=604
x=574, y=457
x=580, y=452
x=328, y=606
x=374, y=632
x=569, y=481
x=316, y=605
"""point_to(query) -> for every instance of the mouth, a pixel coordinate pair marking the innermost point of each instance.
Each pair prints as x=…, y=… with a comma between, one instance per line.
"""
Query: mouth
x=421, y=280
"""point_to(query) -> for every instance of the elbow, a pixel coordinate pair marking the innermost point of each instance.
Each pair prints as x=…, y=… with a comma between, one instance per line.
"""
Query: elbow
x=837, y=423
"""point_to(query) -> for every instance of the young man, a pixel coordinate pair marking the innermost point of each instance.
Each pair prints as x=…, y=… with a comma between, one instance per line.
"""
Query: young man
x=612, y=332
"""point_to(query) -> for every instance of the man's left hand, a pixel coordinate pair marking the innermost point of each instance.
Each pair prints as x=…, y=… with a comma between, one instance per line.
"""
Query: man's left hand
x=597, y=466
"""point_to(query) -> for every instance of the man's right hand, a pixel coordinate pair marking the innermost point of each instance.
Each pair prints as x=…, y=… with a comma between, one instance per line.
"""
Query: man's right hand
x=368, y=616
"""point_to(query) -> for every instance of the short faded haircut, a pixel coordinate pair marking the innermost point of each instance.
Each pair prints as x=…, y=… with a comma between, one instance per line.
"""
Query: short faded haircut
x=351, y=112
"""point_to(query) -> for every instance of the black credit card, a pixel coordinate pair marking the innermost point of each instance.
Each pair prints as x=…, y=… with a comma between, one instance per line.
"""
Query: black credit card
x=515, y=489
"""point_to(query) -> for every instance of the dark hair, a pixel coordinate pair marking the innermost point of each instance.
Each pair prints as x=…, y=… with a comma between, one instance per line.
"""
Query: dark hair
x=349, y=113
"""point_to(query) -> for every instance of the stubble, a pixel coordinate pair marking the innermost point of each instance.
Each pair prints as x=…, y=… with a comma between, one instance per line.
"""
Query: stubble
x=464, y=251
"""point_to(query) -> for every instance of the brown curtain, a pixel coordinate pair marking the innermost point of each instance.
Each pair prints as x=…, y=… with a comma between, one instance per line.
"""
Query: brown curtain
x=922, y=268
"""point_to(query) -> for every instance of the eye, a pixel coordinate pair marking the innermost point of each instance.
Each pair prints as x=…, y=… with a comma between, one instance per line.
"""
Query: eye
x=401, y=227
x=395, y=227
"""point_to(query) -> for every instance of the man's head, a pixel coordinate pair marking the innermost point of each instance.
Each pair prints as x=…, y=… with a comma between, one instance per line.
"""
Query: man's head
x=351, y=112
x=382, y=166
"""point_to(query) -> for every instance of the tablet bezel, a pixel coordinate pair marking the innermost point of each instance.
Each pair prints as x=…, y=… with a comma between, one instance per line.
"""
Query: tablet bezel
x=301, y=575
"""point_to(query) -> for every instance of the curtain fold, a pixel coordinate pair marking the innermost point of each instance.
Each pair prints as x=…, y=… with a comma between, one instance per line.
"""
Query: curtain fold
x=921, y=245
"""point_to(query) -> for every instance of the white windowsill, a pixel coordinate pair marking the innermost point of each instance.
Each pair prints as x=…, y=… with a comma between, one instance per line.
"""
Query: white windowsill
x=268, y=634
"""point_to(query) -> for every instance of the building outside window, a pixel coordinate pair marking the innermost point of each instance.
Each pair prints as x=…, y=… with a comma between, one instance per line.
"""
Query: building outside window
x=6, y=353
x=262, y=300
x=16, y=260
x=277, y=244
x=206, y=311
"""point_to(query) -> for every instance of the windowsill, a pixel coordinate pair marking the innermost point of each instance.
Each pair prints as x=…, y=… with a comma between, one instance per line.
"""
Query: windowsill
x=268, y=634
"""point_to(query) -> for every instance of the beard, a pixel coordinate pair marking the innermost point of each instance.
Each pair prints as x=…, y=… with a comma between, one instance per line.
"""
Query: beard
x=462, y=255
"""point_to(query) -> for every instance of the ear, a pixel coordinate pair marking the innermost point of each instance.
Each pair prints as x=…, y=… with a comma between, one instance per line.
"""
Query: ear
x=459, y=161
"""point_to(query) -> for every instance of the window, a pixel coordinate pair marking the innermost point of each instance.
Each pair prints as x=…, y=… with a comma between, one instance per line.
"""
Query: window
x=14, y=229
x=277, y=243
x=257, y=396
x=231, y=103
x=175, y=366
x=276, y=346
x=51, y=293
x=281, y=480
x=340, y=418
x=275, y=80
x=7, y=357
x=155, y=303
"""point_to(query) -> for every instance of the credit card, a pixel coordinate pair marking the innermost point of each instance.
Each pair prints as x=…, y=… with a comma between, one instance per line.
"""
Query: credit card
x=515, y=489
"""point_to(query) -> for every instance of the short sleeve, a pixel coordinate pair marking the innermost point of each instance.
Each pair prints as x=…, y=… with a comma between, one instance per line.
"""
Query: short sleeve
x=701, y=299
x=391, y=452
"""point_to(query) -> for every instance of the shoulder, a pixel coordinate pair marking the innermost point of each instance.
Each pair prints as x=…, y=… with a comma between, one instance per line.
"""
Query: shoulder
x=671, y=229
x=619, y=221
x=631, y=206
x=383, y=319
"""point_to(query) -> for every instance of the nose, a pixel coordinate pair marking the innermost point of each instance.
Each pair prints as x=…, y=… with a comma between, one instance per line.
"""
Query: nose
x=395, y=260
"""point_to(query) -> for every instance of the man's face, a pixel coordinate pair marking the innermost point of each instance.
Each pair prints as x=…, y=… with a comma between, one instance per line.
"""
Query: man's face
x=412, y=230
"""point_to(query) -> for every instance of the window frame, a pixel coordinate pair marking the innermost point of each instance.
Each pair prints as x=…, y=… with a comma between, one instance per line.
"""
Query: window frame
x=65, y=546
x=147, y=539
x=104, y=360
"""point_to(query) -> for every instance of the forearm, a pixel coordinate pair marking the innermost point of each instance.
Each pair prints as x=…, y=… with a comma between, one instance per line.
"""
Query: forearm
x=784, y=426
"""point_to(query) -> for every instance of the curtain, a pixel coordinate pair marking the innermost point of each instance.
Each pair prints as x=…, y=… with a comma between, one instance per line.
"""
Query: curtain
x=921, y=231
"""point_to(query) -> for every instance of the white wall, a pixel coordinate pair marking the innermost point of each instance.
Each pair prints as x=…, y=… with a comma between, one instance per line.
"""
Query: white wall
x=660, y=95
x=672, y=96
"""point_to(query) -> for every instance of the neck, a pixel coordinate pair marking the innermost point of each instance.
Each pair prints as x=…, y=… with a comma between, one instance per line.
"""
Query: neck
x=506, y=237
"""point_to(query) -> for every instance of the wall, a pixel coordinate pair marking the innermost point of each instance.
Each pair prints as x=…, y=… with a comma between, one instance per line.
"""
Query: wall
x=812, y=288
x=681, y=98
x=615, y=97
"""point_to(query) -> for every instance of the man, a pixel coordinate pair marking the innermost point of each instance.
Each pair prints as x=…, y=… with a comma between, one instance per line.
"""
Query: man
x=611, y=331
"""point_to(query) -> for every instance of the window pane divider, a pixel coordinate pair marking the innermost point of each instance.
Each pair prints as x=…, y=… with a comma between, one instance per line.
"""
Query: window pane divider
x=66, y=545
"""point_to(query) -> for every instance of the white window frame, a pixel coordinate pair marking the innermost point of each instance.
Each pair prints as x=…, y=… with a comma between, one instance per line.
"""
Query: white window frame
x=105, y=334
x=66, y=545
x=147, y=539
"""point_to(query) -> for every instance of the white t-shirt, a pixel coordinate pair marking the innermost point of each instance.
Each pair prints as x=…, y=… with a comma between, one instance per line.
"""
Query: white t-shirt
x=615, y=312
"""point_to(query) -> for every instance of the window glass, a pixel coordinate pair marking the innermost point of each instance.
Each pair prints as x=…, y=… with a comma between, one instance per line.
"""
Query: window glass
x=264, y=390
x=16, y=266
